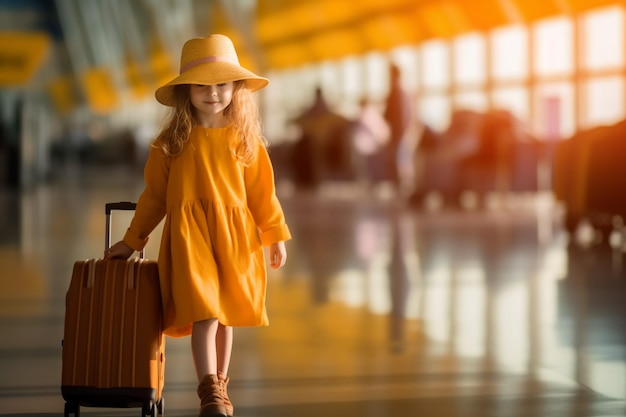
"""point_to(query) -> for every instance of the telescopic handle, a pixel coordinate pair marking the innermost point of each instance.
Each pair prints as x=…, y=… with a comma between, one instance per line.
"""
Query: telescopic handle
x=108, y=208
x=122, y=205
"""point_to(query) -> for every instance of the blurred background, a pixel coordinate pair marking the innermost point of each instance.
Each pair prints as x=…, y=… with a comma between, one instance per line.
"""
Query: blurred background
x=452, y=171
x=504, y=95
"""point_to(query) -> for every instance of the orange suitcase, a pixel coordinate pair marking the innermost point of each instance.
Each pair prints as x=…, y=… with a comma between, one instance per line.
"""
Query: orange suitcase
x=113, y=344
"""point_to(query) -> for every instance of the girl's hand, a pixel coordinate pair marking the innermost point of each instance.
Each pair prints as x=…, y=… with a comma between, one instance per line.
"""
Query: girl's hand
x=119, y=251
x=278, y=255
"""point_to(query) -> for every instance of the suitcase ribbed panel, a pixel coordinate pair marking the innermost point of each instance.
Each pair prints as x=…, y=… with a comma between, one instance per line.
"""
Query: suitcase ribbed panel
x=132, y=289
x=120, y=344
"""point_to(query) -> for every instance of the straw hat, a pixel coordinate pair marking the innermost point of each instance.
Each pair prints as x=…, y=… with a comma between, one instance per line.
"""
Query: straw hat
x=205, y=61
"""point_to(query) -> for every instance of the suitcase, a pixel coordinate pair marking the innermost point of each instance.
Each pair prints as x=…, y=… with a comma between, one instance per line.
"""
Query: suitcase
x=113, y=344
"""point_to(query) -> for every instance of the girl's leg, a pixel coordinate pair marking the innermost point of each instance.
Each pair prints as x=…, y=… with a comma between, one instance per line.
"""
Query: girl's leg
x=224, y=344
x=224, y=347
x=204, y=348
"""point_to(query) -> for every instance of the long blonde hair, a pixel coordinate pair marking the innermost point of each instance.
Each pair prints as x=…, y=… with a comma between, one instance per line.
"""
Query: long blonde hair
x=242, y=113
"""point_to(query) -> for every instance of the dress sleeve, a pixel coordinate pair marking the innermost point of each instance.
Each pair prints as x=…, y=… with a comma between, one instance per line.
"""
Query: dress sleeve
x=151, y=204
x=262, y=200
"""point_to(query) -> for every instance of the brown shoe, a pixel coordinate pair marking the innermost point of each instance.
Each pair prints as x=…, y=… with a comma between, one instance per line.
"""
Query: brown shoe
x=211, y=400
x=223, y=381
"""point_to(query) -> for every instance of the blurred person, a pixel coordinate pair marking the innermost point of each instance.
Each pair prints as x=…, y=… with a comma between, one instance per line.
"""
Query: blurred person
x=489, y=167
x=370, y=134
x=323, y=150
x=11, y=147
x=4, y=152
x=306, y=160
x=399, y=117
x=208, y=173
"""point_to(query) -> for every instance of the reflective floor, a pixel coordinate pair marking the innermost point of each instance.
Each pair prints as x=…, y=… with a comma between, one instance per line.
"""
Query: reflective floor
x=381, y=310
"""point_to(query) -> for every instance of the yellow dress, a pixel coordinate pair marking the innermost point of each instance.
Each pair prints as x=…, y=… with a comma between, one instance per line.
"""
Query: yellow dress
x=218, y=216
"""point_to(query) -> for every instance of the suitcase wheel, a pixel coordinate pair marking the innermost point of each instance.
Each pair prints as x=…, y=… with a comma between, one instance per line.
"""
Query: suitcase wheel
x=72, y=409
x=153, y=409
x=161, y=406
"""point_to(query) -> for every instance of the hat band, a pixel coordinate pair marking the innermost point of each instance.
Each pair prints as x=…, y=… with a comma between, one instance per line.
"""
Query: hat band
x=206, y=60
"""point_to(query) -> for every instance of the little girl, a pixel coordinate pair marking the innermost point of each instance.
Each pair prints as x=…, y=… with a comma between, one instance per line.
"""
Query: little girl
x=209, y=175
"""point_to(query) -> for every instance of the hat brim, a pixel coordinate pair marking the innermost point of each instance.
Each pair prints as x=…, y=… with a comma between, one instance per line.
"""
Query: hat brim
x=209, y=74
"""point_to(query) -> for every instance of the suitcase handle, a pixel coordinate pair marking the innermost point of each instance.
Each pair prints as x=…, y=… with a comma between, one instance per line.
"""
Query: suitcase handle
x=122, y=205
x=108, y=208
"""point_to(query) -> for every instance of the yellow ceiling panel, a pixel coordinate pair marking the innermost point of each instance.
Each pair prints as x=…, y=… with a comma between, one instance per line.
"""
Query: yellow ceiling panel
x=137, y=79
x=582, y=5
x=21, y=56
x=248, y=61
x=309, y=32
x=458, y=21
x=485, y=14
x=379, y=7
x=218, y=18
x=267, y=7
x=294, y=21
x=388, y=31
x=533, y=10
x=290, y=54
x=162, y=65
x=273, y=27
x=439, y=21
x=63, y=93
x=428, y=18
x=305, y=18
x=100, y=90
x=339, y=12
x=300, y=19
x=337, y=44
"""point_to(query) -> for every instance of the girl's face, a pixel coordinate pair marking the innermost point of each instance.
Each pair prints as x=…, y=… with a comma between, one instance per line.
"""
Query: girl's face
x=211, y=100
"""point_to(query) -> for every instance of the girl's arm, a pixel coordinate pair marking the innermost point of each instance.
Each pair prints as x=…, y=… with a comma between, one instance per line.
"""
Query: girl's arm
x=150, y=207
x=262, y=201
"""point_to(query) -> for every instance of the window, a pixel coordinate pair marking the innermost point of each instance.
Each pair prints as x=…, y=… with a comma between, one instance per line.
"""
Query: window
x=509, y=53
x=435, y=65
x=350, y=88
x=553, y=47
x=434, y=103
x=604, y=100
x=376, y=76
x=602, y=58
x=603, y=41
x=469, y=59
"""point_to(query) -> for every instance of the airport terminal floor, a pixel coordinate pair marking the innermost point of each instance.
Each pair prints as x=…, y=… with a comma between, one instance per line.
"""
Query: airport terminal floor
x=381, y=310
